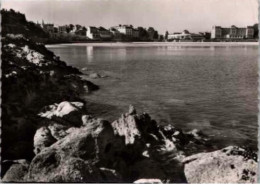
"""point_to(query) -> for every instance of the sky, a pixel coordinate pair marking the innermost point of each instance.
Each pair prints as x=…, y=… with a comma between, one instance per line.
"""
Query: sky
x=163, y=15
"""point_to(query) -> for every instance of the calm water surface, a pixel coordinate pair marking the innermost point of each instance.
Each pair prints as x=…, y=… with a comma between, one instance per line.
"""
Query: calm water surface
x=211, y=87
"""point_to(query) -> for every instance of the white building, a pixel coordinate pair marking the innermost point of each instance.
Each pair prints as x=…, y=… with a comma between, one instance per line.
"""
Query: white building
x=125, y=29
x=92, y=33
x=185, y=35
x=233, y=32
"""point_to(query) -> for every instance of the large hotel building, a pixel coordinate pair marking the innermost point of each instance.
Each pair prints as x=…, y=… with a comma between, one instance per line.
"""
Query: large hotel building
x=233, y=32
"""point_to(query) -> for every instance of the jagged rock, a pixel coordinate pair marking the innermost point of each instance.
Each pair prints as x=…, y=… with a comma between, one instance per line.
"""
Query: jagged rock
x=134, y=147
x=76, y=157
x=42, y=138
x=17, y=170
x=64, y=112
x=127, y=126
x=134, y=127
x=148, y=181
x=229, y=165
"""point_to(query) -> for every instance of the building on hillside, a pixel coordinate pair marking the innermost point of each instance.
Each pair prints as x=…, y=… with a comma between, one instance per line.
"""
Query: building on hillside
x=233, y=32
x=125, y=29
x=104, y=34
x=92, y=33
x=151, y=33
x=81, y=32
x=48, y=27
x=185, y=35
x=115, y=33
x=73, y=30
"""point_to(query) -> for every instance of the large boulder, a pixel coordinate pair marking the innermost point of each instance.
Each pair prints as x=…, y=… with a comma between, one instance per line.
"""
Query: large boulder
x=64, y=112
x=229, y=165
x=82, y=156
x=17, y=170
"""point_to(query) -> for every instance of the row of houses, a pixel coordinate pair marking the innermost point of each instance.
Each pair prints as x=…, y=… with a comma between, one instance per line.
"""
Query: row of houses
x=217, y=33
x=233, y=32
x=116, y=32
x=65, y=29
x=100, y=33
x=128, y=32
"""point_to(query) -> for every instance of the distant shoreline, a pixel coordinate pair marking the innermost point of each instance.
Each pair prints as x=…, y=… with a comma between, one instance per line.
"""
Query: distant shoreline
x=163, y=42
x=157, y=43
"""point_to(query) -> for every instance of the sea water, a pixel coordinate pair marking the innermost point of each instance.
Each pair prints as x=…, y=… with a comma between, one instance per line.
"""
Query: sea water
x=207, y=86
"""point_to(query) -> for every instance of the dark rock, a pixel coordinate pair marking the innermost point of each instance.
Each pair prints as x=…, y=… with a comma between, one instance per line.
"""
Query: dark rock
x=148, y=169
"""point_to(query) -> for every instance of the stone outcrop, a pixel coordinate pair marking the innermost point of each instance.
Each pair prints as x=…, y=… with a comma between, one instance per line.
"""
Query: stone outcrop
x=131, y=149
x=33, y=77
x=229, y=165
x=17, y=170
x=77, y=147
x=82, y=156
x=95, y=146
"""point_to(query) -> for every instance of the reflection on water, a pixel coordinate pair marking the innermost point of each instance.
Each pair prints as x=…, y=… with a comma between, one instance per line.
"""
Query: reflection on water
x=209, y=87
x=89, y=53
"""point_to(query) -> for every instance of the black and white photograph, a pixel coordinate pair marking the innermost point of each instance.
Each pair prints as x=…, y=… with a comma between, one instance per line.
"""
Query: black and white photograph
x=129, y=91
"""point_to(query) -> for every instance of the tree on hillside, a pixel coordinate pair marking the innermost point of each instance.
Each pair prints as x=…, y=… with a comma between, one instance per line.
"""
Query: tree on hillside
x=161, y=37
x=156, y=35
x=16, y=23
x=256, y=30
x=71, y=26
x=166, y=35
x=143, y=33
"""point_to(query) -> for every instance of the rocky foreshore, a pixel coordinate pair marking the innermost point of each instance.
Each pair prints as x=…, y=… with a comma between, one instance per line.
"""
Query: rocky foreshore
x=32, y=77
x=48, y=135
